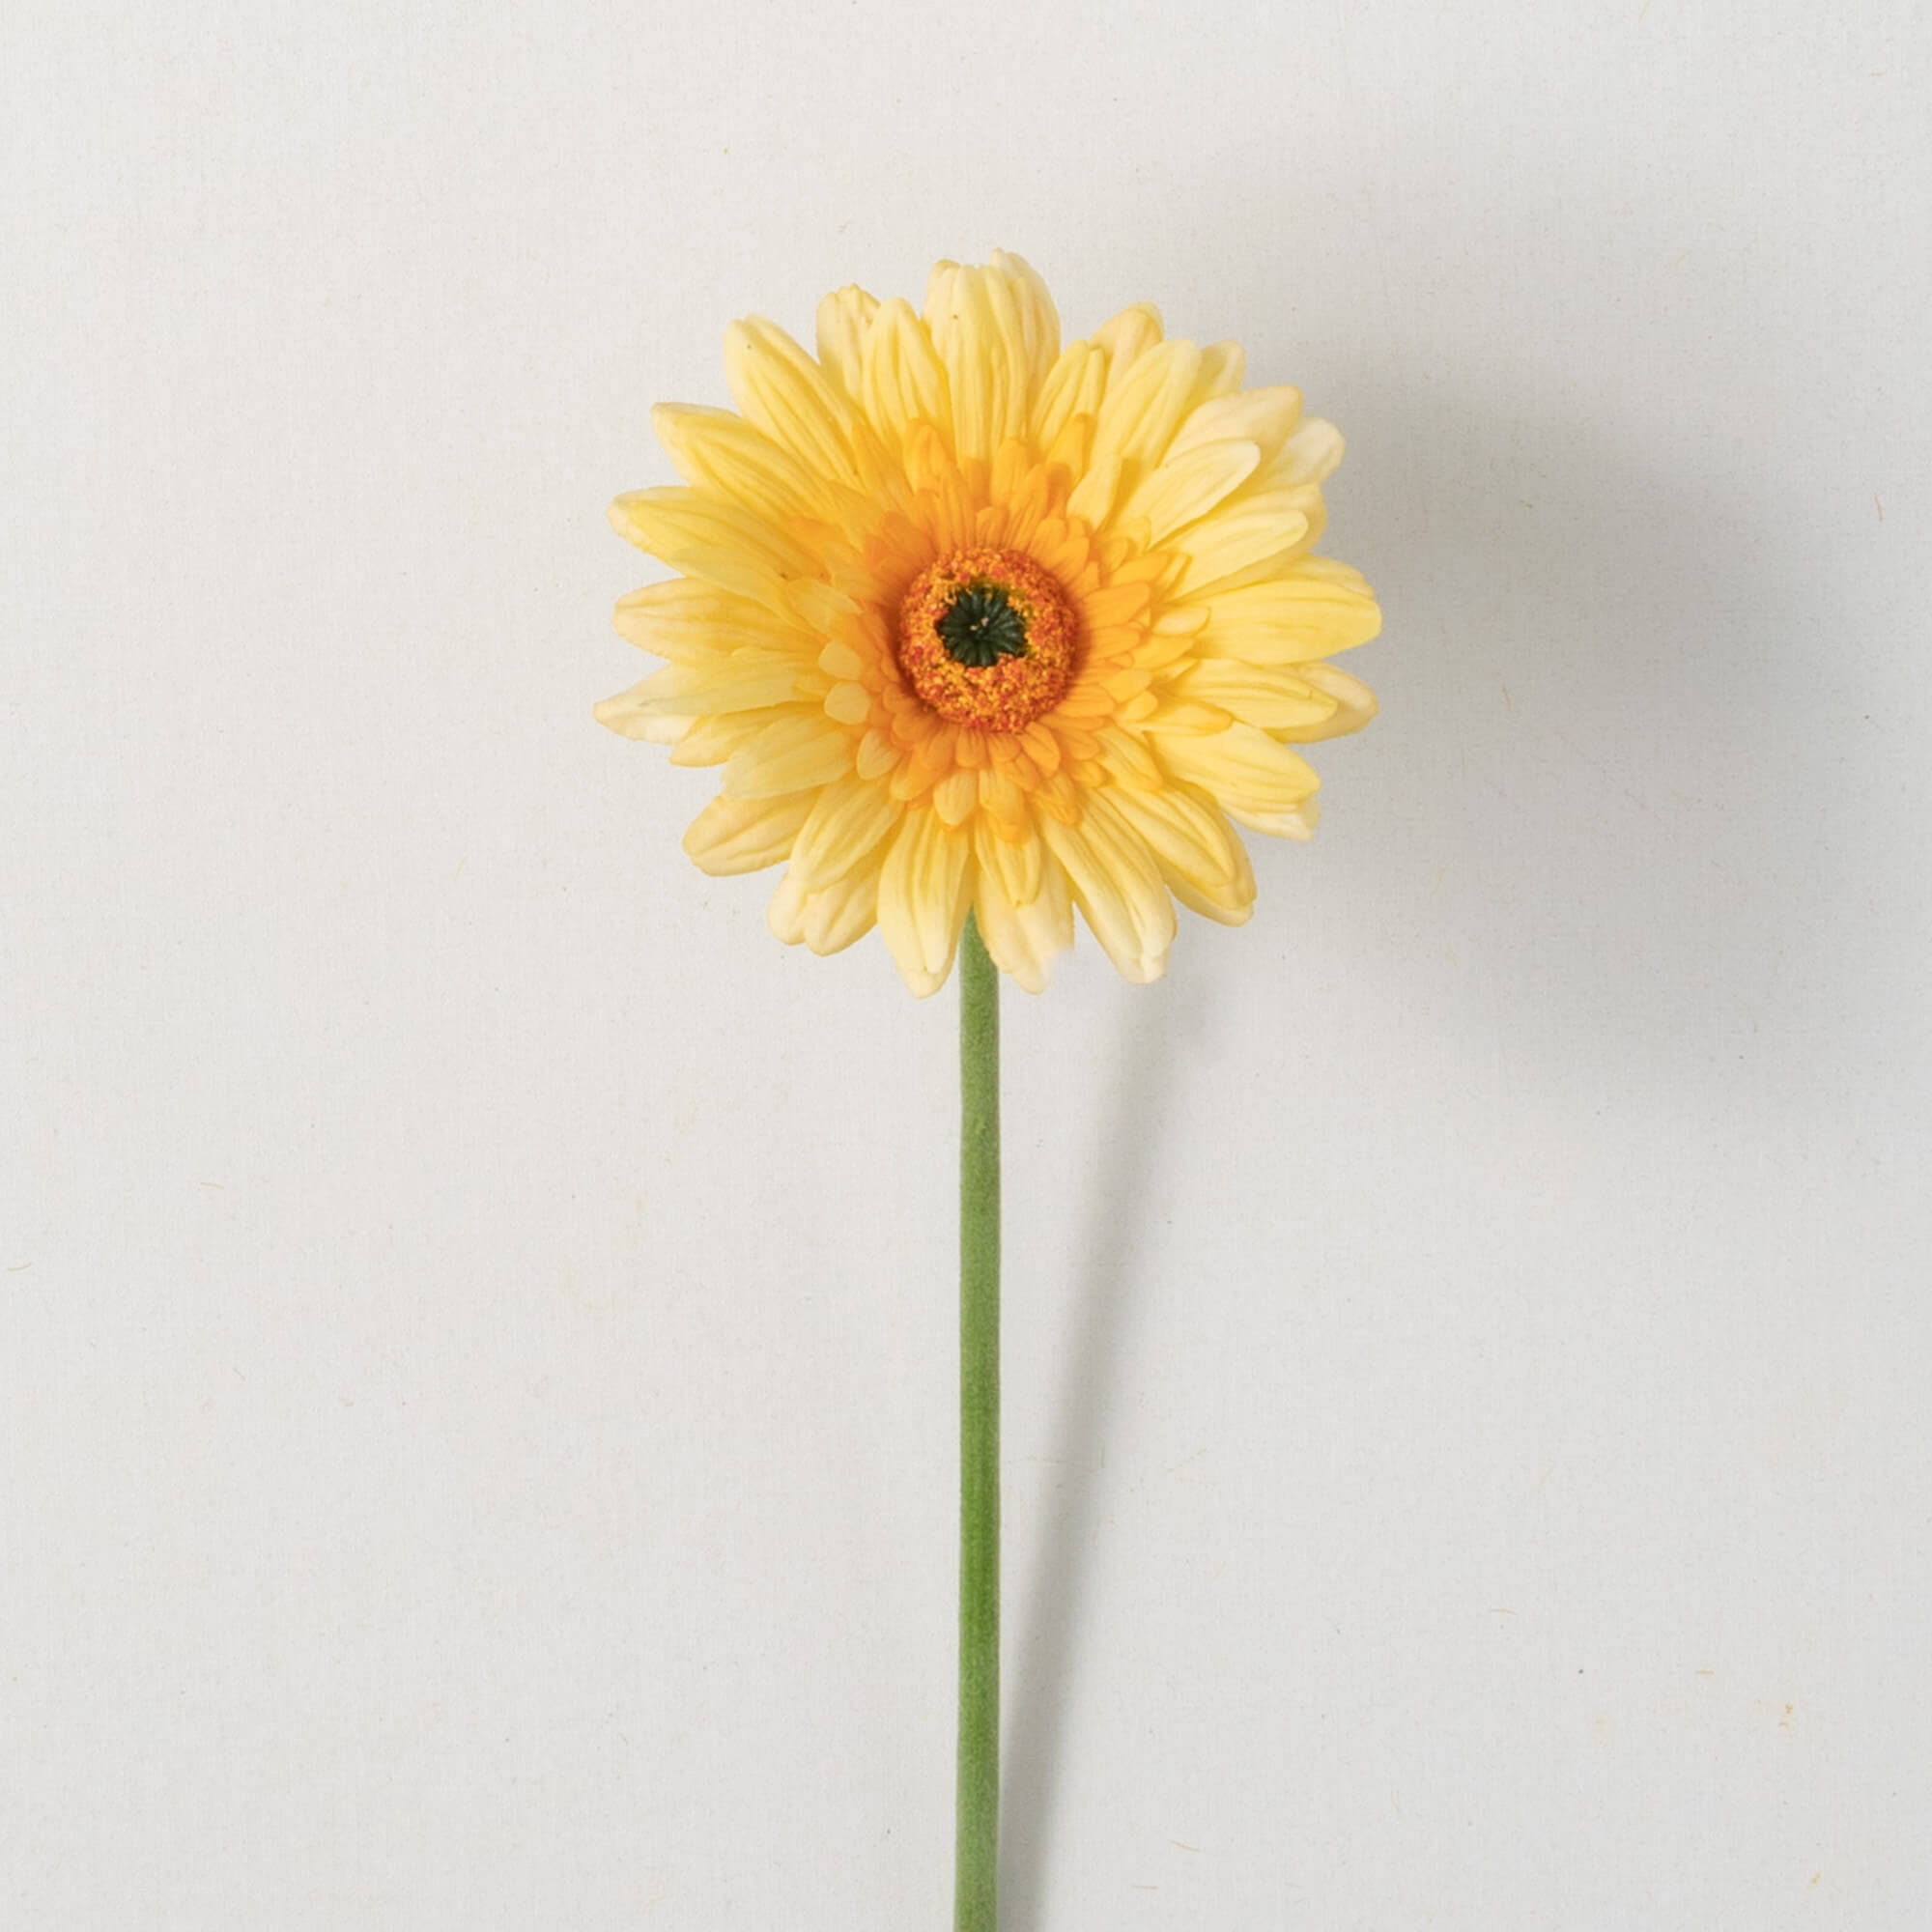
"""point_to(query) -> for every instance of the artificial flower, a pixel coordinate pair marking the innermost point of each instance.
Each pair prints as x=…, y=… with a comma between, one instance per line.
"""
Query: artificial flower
x=974, y=622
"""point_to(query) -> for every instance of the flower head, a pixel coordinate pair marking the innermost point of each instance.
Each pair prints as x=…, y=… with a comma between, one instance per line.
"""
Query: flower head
x=971, y=620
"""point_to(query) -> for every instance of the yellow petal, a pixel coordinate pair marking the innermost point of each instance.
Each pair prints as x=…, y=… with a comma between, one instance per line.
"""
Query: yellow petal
x=1222, y=364
x=1291, y=619
x=802, y=748
x=747, y=680
x=716, y=450
x=1299, y=823
x=1125, y=340
x=1188, y=486
x=1273, y=698
x=1127, y=759
x=632, y=714
x=904, y=382
x=844, y=911
x=744, y=834
x=1039, y=320
x=689, y=529
x=710, y=741
x=786, y=914
x=1093, y=497
x=957, y=796
x=1071, y=388
x=1139, y=417
x=1264, y=417
x=1309, y=456
x=1117, y=885
x=691, y=622
x=1181, y=714
x=847, y=825
x=1239, y=766
x=1000, y=799
x=1201, y=857
x=1250, y=531
x=1022, y=935
x=1225, y=905
x=922, y=895
x=877, y=755
x=849, y=703
x=845, y=320
x=1014, y=853
x=1354, y=704
x=976, y=328
x=786, y=396
x=838, y=659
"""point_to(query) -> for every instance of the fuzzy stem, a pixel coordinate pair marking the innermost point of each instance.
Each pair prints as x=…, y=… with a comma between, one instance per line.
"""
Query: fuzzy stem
x=976, y=1885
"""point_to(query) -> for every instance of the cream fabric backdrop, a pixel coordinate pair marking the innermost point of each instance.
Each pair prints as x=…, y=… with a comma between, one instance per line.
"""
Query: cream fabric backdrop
x=476, y=1327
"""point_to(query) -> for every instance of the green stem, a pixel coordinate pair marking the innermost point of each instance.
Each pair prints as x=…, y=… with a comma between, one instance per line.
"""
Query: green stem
x=976, y=1882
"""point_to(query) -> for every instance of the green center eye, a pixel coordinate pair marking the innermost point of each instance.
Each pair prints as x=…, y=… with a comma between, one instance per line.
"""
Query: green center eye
x=981, y=627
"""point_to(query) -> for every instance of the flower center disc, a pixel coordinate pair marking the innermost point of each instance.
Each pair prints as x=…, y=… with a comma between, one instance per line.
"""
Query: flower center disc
x=986, y=638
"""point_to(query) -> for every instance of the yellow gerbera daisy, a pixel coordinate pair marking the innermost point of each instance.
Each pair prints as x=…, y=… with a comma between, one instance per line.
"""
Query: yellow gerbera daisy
x=971, y=620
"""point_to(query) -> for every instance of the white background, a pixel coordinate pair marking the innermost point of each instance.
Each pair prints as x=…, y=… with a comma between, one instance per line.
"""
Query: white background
x=476, y=1330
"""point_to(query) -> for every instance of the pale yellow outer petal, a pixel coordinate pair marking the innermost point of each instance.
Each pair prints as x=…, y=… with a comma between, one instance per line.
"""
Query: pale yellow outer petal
x=1039, y=320
x=1311, y=455
x=711, y=741
x=978, y=329
x=745, y=834
x=830, y=919
x=632, y=714
x=1290, y=620
x=844, y=321
x=786, y=396
x=1072, y=387
x=1300, y=823
x=1264, y=417
x=716, y=450
x=675, y=524
x=1023, y=934
x=903, y=378
x=957, y=796
x=1274, y=698
x=922, y=897
x=1202, y=859
x=844, y=911
x=1140, y=416
x=1125, y=340
x=1242, y=537
x=1354, y=704
x=1222, y=366
x=746, y=680
x=846, y=826
x=693, y=622
x=1240, y=767
x=1188, y=486
x=800, y=748
x=1225, y=905
x=1093, y=497
x=1117, y=885
x=786, y=914
x=1016, y=856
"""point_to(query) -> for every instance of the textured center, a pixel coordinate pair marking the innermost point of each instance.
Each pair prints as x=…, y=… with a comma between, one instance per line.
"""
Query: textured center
x=987, y=638
x=982, y=627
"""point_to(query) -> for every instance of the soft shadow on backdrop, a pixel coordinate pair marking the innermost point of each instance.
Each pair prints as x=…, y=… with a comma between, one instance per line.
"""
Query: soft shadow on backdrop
x=1658, y=703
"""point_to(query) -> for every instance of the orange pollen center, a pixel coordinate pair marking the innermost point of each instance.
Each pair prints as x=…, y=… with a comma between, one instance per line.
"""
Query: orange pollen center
x=986, y=638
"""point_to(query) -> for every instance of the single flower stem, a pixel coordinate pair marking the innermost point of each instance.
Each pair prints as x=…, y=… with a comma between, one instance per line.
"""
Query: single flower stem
x=976, y=1880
